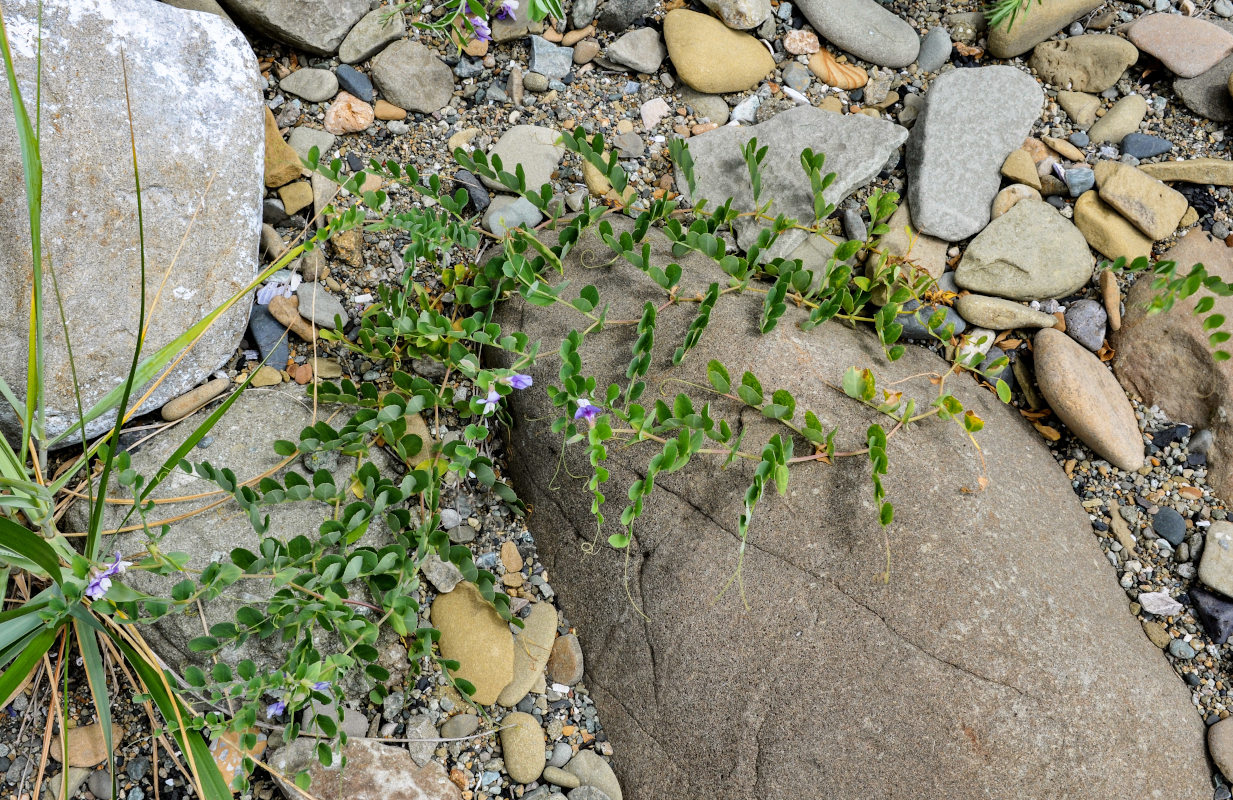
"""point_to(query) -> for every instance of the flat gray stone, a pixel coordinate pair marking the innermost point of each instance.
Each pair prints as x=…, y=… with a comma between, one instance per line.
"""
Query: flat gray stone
x=1029, y=253
x=535, y=147
x=971, y=121
x=320, y=306
x=864, y=28
x=550, y=59
x=641, y=50
x=314, y=85
x=319, y=29
x=303, y=139
x=198, y=117
x=410, y=76
x=507, y=212
x=935, y=48
x=377, y=29
x=711, y=106
x=856, y=148
x=1208, y=94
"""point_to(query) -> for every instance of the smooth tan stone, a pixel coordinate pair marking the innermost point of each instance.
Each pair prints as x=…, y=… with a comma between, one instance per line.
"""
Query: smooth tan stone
x=186, y=404
x=387, y=110
x=474, y=635
x=1152, y=206
x=1085, y=395
x=1108, y=232
x=1080, y=107
x=296, y=196
x=532, y=647
x=1032, y=26
x=1000, y=314
x=1020, y=168
x=1122, y=119
x=522, y=747
x=1217, y=171
x=1111, y=296
x=266, y=376
x=711, y=57
x=1064, y=148
x=1012, y=194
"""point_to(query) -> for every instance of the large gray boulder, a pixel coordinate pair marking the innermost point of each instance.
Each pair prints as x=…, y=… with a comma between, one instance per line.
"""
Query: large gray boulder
x=999, y=660
x=197, y=117
x=857, y=147
x=972, y=120
x=318, y=28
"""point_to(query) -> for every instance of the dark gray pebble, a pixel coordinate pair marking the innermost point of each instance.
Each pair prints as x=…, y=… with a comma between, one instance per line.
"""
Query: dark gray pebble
x=1170, y=526
x=354, y=82
x=1215, y=613
x=1085, y=320
x=1142, y=145
x=915, y=326
x=270, y=336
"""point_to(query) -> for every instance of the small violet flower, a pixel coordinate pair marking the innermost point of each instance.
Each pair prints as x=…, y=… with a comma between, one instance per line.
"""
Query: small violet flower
x=482, y=32
x=321, y=686
x=276, y=709
x=507, y=9
x=276, y=289
x=587, y=410
x=490, y=402
x=518, y=381
x=101, y=582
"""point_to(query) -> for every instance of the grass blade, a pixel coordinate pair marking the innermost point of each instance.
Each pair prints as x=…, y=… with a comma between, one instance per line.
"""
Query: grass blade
x=96, y=677
x=96, y=511
x=32, y=169
x=31, y=546
x=34, y=649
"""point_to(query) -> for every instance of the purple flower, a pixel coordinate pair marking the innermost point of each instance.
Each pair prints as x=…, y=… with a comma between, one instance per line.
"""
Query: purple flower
x=321, y=686
x=276, y=709
x=490, y=402
x=518, y=381
x=587, y=410
x=507, y=9
x=101, y=582
x=482, y=32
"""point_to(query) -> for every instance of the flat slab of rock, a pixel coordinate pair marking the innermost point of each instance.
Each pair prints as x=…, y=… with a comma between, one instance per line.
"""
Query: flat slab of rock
x=965, y=689
x=1033, y=26
x=319, y=32
x=1166, y=358
x=1208, y=94
x=640, y=50
x=856, y=148
x=999, y=314
x=198, y=116
x=864, y=28
x=379, y=27
x=1216, y=171
x=1187, y=46
x=1152, y=206
x=243, y=440
x=374, y=771
x=972, y=120
x=1090, y=63
x=711, y=57
x=1086, y=396
x=1029, y=253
